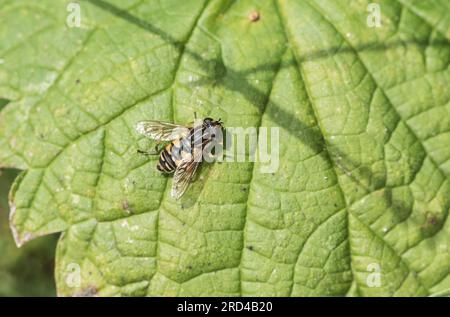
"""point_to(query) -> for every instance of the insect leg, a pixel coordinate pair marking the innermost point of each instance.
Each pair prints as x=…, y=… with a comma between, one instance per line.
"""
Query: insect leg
x=146, y=152
x=155, y=151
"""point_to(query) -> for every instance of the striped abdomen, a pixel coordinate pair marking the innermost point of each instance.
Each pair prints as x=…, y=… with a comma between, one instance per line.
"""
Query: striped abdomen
x=177, y=150
x=172, y=154
x=166, y=164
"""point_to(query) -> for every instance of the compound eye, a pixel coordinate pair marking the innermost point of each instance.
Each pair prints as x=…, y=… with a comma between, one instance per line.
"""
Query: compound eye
x=207, y=120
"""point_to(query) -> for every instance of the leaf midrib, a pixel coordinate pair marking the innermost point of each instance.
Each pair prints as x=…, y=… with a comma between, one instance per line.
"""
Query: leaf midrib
x=165, y=192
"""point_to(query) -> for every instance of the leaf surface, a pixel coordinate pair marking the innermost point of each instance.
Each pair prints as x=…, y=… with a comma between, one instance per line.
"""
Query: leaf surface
x=363, y=183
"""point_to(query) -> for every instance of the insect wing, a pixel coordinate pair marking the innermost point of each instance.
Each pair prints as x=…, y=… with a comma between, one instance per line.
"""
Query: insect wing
x=184, y=174
x=161, y=131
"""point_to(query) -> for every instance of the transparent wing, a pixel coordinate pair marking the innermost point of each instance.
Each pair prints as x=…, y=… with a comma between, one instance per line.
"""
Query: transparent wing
x=184, y=174
x=161, y=131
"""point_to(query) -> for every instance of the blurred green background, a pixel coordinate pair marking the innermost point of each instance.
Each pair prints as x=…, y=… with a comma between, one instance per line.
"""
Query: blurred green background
x=27, y=271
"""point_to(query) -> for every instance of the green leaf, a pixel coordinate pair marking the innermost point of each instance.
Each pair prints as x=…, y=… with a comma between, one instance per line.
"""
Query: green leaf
x=364, y=179
x=28, y=271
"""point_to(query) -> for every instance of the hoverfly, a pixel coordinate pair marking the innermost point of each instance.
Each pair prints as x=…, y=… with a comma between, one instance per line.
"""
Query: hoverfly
x=184, y=153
